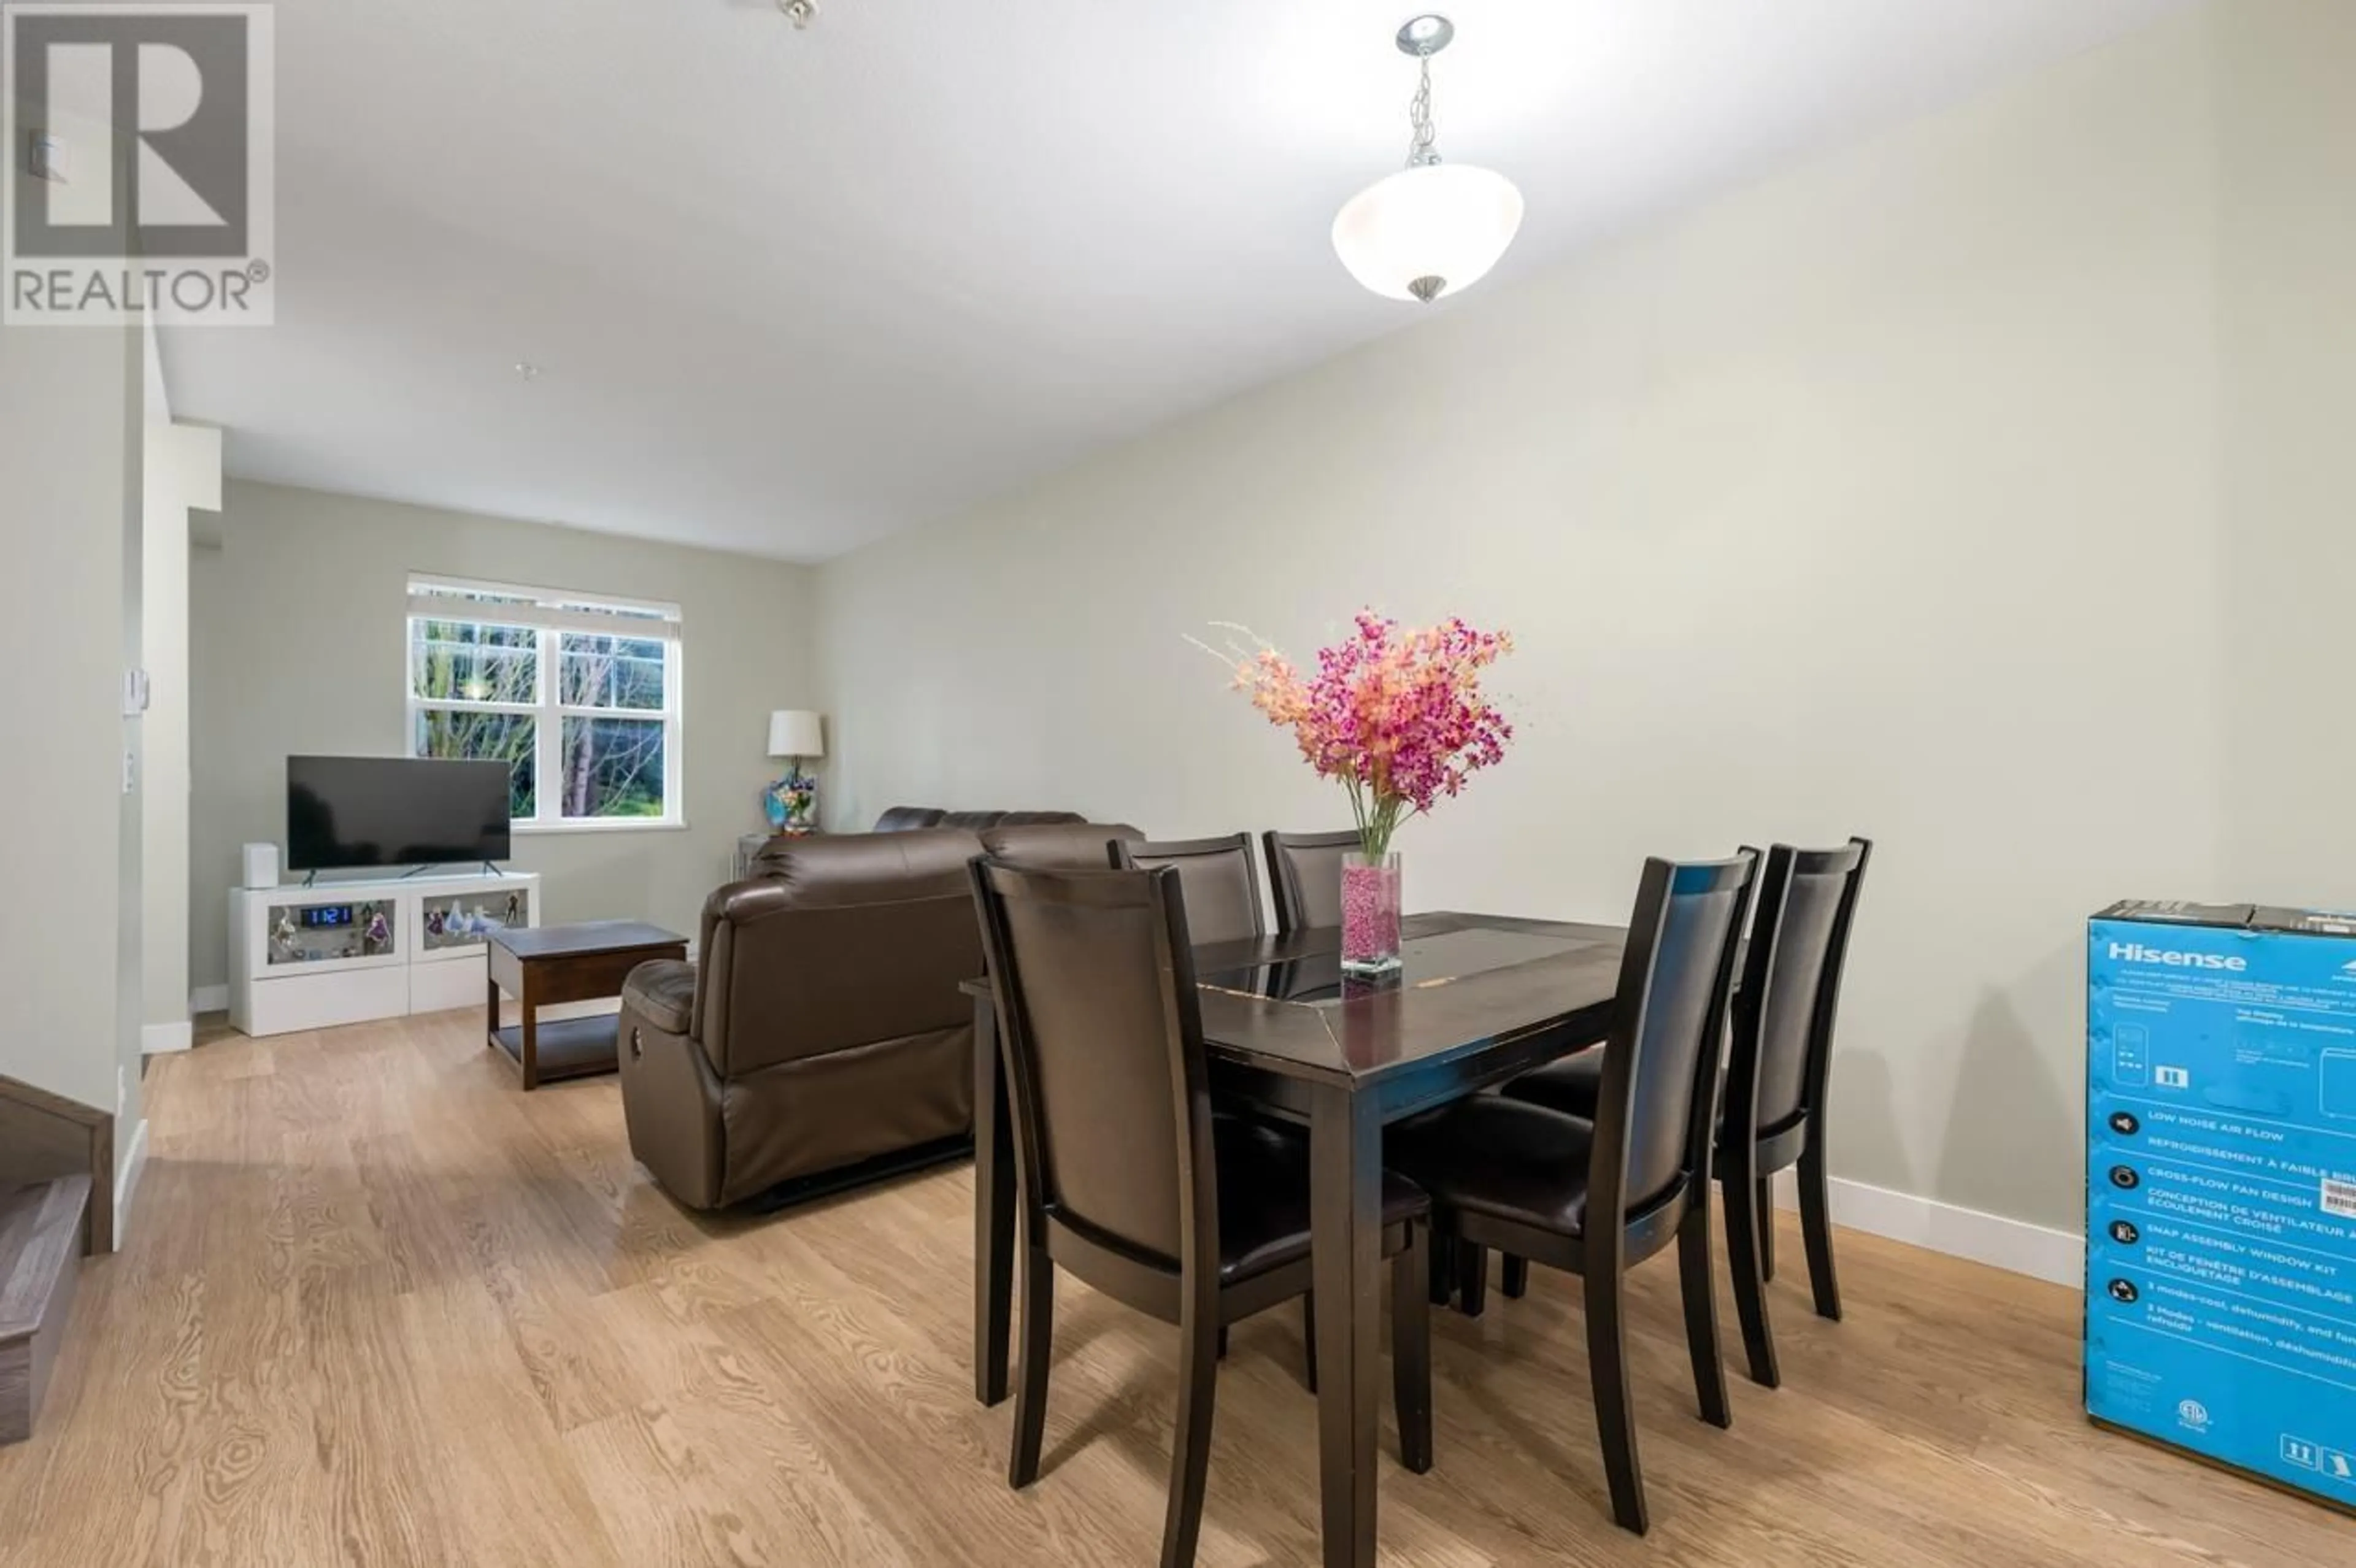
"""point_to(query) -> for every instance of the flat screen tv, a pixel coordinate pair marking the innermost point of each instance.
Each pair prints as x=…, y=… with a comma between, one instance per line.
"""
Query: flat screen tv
x=343, y=813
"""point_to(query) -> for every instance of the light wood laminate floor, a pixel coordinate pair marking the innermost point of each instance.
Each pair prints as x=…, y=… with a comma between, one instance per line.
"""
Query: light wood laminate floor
x=379, y=1307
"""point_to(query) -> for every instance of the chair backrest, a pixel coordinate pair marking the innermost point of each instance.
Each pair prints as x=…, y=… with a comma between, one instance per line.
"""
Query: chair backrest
x=1655, y=1114
x=1791, y=985
x=1103, y=1040
x=908, y=818
x=1222, y=888
x=1305, y=870
x=1054, y=846
x=844, y=940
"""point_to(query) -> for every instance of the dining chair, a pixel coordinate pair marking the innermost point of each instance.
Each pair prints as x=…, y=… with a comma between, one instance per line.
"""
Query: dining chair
x=1222, y=898
x=1304, y=870
x=1595, y=1198
x=1222, y=887
x=1777, y=1076
x=1130, y=1181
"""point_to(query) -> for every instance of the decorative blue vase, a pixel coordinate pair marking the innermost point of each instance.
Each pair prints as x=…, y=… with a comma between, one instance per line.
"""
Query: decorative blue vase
x=791, y=804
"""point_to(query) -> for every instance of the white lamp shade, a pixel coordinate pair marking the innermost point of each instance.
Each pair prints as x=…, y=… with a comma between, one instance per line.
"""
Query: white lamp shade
x=1449, y=221
x=796, y=732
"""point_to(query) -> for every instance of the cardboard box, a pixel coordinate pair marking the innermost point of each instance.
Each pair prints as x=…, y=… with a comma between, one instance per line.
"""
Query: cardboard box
x=2220, y=1222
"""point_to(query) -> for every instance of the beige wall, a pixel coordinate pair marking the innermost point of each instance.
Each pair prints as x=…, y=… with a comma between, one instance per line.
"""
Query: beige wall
x=297, y=630
x=1882, y=498
x=2286, y=403
x=182, y=470
x=70, y=890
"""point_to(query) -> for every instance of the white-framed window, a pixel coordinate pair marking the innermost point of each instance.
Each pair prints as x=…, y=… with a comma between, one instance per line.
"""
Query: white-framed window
x=578, y=693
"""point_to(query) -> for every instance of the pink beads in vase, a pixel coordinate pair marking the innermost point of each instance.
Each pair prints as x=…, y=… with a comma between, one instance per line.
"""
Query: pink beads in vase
x=1370, y=913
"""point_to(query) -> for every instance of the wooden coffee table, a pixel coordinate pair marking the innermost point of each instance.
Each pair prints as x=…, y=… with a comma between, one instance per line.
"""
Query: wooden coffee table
x=546, y=964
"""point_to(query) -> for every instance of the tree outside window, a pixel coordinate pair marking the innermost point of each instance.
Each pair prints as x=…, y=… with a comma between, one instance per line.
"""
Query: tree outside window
x=538, y=682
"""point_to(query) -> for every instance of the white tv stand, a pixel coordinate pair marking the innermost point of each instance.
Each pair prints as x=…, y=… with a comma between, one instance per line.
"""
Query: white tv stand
x=346, y=952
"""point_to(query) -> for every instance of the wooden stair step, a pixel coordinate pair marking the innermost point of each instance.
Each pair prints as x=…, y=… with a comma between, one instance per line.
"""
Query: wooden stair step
x=41, y=1232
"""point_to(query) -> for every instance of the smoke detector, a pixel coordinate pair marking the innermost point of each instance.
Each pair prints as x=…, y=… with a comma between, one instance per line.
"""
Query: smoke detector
x=800, y=12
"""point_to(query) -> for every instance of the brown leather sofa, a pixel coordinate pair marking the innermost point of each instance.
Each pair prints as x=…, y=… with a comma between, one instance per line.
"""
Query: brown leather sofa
x=905, y=818
x=822, y=1039
x=1073, y=846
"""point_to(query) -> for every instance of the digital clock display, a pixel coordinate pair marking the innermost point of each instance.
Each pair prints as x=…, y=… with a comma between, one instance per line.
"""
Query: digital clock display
x=319, y=916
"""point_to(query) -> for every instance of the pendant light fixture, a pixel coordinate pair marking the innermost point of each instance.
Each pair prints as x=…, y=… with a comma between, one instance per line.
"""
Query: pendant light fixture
x=1433, y=227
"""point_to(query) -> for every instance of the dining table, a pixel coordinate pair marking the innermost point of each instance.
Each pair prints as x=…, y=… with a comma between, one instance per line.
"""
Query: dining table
x=1476, y=999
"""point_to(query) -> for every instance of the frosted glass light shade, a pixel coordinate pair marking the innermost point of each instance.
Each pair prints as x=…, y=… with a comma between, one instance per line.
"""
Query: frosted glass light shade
x=796, y=732
x=1448, y=222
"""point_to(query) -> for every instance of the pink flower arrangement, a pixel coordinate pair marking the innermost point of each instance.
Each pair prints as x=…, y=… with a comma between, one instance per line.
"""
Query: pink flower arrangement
x=1398, y=715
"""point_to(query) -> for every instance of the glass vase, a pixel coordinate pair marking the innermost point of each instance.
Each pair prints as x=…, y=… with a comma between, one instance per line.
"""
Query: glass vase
x=1370, y=913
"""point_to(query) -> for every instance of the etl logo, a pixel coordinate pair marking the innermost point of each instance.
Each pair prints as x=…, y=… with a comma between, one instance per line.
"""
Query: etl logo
x=2193, y=1414
x=2137, y=952
x=139, y=163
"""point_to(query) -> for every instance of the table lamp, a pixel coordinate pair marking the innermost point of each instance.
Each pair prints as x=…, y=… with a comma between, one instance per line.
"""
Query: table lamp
x=797, y=735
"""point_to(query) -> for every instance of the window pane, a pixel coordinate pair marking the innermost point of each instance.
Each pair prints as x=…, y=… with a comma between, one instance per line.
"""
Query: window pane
x=486, y=737
x=612, y=767
x=473, y=661
x=612, y=672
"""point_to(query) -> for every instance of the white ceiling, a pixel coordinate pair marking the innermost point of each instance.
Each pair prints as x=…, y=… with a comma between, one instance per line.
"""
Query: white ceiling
x=795, y=290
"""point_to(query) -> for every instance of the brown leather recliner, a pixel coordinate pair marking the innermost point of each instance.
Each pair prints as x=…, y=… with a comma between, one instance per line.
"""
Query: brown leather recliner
x=1063, y=845
x=902, y=818
x=822, y=1027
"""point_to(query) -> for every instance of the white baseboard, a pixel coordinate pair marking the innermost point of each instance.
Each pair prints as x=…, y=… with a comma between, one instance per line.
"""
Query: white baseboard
x=161, y=1039
x=2057, y=1257
x=208, y=999
x=126, y=1179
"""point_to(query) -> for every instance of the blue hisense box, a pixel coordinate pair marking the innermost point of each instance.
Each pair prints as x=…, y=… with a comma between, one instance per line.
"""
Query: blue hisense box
x=2221, y=1186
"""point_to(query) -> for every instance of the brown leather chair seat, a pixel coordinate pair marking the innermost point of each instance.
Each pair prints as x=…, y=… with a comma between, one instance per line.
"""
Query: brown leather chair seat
x=1574, y=1086
x=1264, y=1196
x=1501, y=1157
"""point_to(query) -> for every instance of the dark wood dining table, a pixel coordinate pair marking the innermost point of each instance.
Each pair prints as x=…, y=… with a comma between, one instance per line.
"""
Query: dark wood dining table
x=1478, y=999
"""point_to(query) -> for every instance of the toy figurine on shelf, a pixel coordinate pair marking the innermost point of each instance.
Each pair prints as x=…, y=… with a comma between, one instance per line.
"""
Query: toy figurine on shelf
x=435, y=921
x=515, y=911
x=282, y=937
x=376, y=937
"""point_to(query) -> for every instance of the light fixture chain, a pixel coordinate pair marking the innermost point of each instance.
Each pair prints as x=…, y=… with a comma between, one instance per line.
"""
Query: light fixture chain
x=1420, y=150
